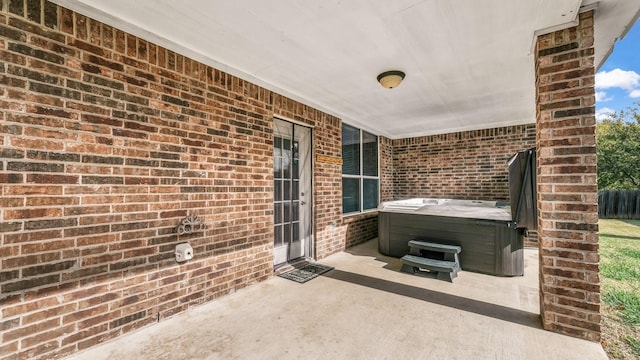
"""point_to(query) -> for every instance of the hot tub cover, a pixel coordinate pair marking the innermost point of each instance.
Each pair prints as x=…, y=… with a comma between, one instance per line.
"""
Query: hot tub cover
x=471, y=209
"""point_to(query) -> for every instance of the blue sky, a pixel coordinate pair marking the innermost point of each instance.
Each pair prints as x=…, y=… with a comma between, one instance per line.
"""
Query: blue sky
x=618, y=79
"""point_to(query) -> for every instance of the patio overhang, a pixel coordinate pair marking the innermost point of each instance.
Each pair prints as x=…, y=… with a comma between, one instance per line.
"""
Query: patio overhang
x=468, y=64
x=110, y=141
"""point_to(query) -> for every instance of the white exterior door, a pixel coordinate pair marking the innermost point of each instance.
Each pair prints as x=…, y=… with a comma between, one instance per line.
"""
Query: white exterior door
x=292, y=192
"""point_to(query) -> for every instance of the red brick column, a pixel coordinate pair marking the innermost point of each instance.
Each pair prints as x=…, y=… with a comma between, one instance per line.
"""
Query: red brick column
x=567, y=187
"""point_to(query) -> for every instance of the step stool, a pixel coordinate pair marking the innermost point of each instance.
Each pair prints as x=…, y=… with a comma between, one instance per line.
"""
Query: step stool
x=446, y=269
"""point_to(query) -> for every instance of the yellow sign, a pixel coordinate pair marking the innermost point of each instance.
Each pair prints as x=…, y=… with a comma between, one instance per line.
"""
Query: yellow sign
x=329, y=160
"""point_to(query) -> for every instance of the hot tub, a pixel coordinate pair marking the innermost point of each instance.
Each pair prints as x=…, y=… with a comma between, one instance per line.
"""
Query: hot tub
x=491, y=233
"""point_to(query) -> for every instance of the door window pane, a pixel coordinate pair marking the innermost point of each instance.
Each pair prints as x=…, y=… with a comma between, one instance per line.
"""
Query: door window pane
x=277, y=212
x=277, y=233
x=350, y=150
x=369, y=194
x=295, y=229
x=277, y=146
x=286, y=166
x=287, y=233
x=277, y=190
x=350, y=195
x=287, y=212
x=296, y=190
x=277, y=168
x=295, y=211
x=296, y=153
x=287, y=189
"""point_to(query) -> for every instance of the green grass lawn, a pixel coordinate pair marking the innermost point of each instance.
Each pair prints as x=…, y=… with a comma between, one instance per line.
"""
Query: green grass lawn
x=620, y=277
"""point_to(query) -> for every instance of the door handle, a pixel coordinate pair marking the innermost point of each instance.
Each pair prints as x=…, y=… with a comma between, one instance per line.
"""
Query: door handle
x=303, y=203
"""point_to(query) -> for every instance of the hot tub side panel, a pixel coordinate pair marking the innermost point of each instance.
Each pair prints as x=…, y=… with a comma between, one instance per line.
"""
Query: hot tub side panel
x=490, y=247
x=509, y=251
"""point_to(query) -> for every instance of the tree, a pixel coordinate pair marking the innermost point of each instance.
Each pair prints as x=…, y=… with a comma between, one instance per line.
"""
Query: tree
x=618, y=149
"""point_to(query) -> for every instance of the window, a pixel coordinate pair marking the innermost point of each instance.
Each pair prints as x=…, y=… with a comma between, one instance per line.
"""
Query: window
x=360, y=182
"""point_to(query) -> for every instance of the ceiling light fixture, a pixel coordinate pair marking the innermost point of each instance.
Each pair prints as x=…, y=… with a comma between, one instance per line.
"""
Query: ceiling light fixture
x=391, y=79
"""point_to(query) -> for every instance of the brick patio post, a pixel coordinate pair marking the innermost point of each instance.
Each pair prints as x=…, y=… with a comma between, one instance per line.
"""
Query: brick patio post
x=567, y=181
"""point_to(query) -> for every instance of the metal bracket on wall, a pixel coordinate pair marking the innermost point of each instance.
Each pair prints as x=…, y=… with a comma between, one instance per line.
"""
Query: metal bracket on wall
x=189, y=225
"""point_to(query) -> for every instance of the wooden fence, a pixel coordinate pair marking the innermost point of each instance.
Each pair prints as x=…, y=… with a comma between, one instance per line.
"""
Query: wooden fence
x=619, y=204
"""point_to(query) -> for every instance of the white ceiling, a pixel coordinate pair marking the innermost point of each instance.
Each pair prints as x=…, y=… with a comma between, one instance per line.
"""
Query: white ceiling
x=469, y=63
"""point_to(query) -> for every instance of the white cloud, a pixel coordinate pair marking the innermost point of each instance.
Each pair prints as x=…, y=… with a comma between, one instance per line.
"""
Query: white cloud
x=635, y=93
x=616, y=78
x=601, y=96
x=604, y=113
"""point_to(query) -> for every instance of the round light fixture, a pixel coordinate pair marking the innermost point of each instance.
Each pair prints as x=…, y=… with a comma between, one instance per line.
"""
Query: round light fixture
x=391, y=79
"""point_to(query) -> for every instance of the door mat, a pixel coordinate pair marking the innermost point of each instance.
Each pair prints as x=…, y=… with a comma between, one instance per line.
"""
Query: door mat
x=306, y=273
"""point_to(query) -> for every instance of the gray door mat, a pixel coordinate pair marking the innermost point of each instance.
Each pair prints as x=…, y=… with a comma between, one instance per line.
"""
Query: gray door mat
x=306, y=273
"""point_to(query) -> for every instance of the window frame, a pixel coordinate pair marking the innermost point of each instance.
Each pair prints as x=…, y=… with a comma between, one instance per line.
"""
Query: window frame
x=361, y=178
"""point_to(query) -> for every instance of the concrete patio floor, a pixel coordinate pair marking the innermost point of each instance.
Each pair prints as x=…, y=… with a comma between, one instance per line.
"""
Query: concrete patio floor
x=364, y=309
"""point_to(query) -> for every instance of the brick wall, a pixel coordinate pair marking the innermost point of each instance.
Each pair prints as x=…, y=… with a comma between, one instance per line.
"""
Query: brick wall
x=463, y=165
x=360, y=228
x=106, y=143
x=385, y=149
x=567, y=181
